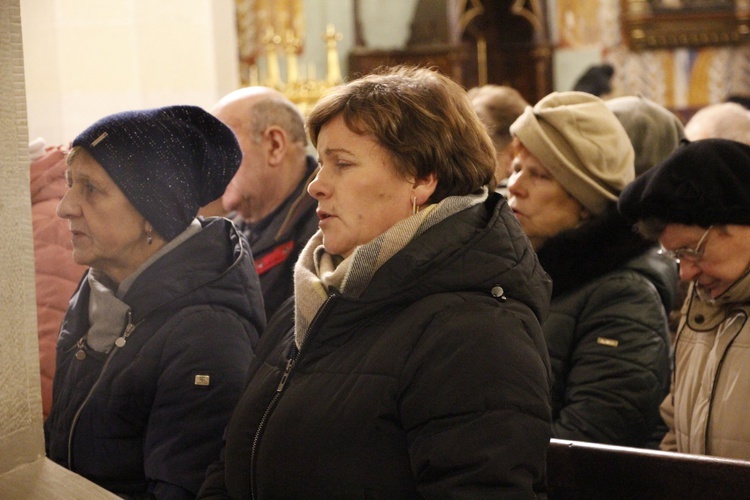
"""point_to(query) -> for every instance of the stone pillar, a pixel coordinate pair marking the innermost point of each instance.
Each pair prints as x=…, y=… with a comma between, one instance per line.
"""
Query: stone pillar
x=24, y=470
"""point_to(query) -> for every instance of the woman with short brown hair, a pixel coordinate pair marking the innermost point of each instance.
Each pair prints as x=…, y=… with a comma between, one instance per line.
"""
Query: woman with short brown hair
x=410, y=362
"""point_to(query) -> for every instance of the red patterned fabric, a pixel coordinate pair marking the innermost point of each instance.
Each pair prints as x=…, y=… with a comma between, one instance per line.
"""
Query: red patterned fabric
x=56, y=273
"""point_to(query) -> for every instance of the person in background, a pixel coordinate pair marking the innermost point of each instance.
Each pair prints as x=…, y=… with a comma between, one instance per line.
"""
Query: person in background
x=741, y=99
x=410, y=362
x=596, y=80
x=727, y=120
x=267, y=198
x=497, y=107
x=607, y=330
x=154, y=348
x=654, y=132
x=697, y=204
x=56, y=275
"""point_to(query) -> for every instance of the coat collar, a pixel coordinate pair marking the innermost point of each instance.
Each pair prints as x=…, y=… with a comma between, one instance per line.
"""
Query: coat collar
x=703, y=315
x=594, y=248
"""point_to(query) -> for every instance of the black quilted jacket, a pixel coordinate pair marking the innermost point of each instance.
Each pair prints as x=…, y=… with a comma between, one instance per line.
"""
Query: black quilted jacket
x=427, y=385
x=607, y=333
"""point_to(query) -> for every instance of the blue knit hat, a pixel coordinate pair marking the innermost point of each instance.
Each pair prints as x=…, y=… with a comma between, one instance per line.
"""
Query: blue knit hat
x=168, y=161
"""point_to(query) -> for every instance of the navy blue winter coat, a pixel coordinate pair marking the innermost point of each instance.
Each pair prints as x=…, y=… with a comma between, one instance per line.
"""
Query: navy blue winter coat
x=149, y=416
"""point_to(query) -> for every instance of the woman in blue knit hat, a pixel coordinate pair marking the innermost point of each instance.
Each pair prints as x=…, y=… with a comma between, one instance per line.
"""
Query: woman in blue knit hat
x=153, y=350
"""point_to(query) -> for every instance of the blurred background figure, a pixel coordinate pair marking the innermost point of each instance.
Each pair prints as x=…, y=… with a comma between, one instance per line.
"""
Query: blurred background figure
x=498, y=106
x=654, y=131
x=727, y=120
x=596, y=80
x=267, y=199
x=743, y=100
x=607, y=330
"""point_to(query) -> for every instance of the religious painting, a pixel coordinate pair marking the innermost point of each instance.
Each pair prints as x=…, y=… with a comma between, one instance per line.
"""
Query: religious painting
x=691, y=5
x=657, y=24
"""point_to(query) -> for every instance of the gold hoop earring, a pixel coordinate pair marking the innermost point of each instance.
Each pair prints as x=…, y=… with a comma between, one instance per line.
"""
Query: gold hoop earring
x=414, y=208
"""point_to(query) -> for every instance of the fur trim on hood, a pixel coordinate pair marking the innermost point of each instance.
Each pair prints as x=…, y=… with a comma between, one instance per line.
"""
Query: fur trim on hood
x=596, y=247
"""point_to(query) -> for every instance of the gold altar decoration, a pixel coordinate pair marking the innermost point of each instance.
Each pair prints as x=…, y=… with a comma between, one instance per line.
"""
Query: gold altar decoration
x=270, y=34
x=648, y=24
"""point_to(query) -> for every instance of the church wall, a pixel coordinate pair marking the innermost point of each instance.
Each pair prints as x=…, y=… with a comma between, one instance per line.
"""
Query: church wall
x=678, y=78
x=87, y=58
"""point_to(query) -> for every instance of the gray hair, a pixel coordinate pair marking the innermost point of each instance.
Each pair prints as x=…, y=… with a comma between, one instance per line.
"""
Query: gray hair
x=280, y=113
x=727, y=120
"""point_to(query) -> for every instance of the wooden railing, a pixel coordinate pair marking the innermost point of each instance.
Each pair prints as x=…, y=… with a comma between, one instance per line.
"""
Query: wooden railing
x=578, y=470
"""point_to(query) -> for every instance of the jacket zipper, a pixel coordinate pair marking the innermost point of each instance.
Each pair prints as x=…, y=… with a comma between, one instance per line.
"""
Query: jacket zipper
x=119, y=343
x=291, y=362
x=719, y=367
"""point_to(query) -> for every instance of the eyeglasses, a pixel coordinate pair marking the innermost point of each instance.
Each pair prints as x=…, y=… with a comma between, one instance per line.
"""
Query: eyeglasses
x=688, y=254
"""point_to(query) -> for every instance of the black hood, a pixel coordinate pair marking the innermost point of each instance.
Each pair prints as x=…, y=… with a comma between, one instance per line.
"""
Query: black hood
x=207, y=266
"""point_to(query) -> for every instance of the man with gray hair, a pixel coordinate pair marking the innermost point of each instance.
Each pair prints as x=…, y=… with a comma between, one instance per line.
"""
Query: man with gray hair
x=727, y=120
x=267, y=198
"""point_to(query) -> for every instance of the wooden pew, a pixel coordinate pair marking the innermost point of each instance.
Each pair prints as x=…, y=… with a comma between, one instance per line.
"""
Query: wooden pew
x=578, y=470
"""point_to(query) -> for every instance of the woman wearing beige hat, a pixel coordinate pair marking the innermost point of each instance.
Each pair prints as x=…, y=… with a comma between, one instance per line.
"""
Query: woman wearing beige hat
x=606, y=333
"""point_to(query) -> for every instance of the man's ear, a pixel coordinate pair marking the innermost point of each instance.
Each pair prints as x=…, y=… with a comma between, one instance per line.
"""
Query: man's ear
x=276, y=143
x=423, y=188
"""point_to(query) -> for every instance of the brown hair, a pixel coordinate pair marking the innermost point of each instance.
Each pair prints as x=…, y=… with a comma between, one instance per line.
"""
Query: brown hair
x=423, y=119
x=497, y=106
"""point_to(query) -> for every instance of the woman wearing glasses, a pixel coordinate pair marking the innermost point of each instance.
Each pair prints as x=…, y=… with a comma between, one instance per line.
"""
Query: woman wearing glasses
x=697, y=203
x=607, y=330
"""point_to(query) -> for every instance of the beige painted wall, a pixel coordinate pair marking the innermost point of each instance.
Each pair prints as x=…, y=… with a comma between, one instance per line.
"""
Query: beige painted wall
x=86, y=58
x=24, y=472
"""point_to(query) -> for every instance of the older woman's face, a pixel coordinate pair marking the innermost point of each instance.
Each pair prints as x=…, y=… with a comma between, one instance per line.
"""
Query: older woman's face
x=542, y=206
x=359, y=194
x=108, y=233
x=725, y=254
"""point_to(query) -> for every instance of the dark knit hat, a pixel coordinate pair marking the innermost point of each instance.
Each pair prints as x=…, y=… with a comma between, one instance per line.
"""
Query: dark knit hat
x=168, y=161
x=701, y=183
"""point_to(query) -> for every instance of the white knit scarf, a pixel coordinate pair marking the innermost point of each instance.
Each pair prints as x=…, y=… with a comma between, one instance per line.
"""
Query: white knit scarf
x=317, y=271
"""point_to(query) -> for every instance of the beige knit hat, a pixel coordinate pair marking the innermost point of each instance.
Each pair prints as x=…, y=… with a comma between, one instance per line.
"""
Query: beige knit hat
x=583, y=145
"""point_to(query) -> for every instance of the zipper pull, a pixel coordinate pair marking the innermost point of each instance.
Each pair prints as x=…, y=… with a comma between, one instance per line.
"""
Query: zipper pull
x=121, y=341
x=285, y=376
x=81, y=346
